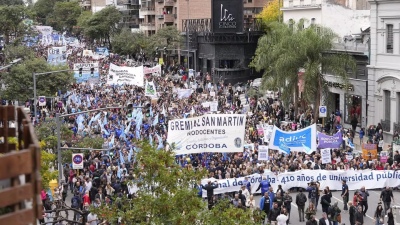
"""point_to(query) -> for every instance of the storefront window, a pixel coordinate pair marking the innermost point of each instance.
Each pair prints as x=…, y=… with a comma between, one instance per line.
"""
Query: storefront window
x=352, y=108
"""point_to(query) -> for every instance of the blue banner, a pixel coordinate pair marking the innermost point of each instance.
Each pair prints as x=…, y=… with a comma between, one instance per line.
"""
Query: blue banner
x=102, y=51
x=303, y=140
x=86, y=72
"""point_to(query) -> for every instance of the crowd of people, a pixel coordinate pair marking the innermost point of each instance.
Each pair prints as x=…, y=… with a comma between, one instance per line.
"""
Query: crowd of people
x=105, y=172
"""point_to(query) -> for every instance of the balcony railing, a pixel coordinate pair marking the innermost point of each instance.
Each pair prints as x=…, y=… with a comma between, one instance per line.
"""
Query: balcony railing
x=169, y=3
x=169, y=18
x=385, y=125
x=351, y=46
x=147, y=9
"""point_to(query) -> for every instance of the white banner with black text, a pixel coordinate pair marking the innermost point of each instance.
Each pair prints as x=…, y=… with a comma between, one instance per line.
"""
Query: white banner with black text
x=207, y=133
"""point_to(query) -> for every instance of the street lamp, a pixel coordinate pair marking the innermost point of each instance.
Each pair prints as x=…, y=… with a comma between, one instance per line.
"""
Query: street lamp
x=34, y=88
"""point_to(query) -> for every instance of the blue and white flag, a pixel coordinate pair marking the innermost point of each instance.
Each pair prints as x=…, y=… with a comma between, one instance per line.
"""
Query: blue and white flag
x=295, y=140
x=155, y=121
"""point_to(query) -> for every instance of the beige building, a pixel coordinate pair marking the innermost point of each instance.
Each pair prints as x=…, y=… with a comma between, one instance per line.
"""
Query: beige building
x=156, y=14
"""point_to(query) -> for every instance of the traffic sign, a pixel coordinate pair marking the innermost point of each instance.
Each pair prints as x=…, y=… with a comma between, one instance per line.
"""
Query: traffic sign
x=77, y=161
x=322, y=111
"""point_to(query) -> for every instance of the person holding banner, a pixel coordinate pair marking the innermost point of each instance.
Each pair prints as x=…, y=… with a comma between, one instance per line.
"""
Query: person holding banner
x=264, y=186
x=210, y=192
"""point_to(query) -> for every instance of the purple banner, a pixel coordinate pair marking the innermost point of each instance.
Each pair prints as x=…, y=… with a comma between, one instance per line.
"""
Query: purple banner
x=326, y=141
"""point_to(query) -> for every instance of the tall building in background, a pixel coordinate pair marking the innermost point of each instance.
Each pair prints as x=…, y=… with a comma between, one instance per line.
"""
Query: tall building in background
x=384, y=68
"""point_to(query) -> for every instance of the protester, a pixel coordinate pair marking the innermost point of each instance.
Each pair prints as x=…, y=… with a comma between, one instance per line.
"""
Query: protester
x=386, y=197
x=301, y=200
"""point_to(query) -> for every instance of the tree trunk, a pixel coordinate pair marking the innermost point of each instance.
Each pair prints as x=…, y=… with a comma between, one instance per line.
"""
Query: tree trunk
x=296, y=99
x=317, y=100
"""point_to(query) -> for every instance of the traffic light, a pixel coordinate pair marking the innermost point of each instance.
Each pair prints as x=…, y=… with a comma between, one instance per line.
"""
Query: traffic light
x=80, y=72
x=92, y=72
x=165, y=50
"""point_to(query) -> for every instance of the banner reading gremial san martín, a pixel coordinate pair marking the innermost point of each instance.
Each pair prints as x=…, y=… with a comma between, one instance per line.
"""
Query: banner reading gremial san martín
x=208, y=133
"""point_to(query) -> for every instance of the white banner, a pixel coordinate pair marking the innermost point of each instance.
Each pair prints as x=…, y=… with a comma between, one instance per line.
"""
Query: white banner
x=208, y=133
x=45, y=30
x=156, y=70
x=213, y=106
x=150, y=89
x=86, y=66
x=373, y=179
x=326, y=156
x=184, y=93
x=263, y=153
x=125, y=75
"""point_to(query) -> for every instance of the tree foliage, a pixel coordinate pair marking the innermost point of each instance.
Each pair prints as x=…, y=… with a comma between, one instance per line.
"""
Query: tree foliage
x=128, y=43
x=289, y=48
x=44, y=10
x=47, y=171
x=19, y=81
x=167, y=195
x=103, y=24
x=271, y=12
x=11, y=18
x=169, y=37
x=65, y=15
x=11, y=2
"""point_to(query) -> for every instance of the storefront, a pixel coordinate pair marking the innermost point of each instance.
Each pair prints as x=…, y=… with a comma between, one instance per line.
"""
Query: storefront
x=350, y=101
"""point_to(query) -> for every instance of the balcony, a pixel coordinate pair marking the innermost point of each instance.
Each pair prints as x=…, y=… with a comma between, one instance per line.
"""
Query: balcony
x=169, y=18
x=351, y=46
x=147, y=11
x=147, y=26
x=169, y=3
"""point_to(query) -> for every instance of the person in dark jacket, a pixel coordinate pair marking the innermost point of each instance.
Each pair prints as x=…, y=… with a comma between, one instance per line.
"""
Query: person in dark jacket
x=386, y=197
x=352, y=213
x=364, y=202
x=312, y=221
x=287, y=201
x=274, y=213
x=301, y=200
x=390, y=217
x=209, y=187
x=325, y=201
x=359, y=218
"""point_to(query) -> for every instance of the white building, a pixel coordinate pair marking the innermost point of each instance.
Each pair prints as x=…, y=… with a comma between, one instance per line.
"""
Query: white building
x=349, y=19
x=344, y=17
x=384, y=68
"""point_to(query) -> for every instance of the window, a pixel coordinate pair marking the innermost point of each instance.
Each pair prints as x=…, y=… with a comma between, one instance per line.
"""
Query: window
x=312, y=21
x=389, y=38
x=301, y=2
x=313, y=2
x=361, y=70
x=353, y=110
x=387, y=109
x=250, y=1
x=290, y=3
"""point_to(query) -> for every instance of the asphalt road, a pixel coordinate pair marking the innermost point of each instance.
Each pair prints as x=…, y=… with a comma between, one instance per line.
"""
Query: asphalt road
x=373, y=200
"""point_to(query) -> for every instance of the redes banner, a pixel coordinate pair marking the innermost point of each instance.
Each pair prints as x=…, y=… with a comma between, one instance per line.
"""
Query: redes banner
x=294, y=141
x=208, y=133
x=356, y=179
x=125, y=75
x=326, y=141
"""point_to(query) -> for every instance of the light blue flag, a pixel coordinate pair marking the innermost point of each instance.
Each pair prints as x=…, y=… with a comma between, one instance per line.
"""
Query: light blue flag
x=307, y=149
x=351, y=144
x=105, y=120
x=284, y=148
x=121, y=157
x=151, y=111
x=119, y=172
x=155, y=122
x=95, y=118
x=128, y=128
x=130, y=154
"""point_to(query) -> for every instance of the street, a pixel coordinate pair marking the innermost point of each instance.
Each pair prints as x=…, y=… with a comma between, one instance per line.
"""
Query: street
x=373, y=200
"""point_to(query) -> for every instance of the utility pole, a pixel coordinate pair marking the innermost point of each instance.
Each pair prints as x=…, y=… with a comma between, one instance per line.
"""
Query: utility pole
x=187, y=36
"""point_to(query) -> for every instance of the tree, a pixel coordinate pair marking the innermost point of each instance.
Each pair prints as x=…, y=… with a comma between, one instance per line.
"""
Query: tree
x=19, y=81
x=271, y=12
x=169, y=37
x=289, y=48
x=46, y=170
x=128, y=43
x=44, y=9
x=103, y=24
x=13, y=52
x=166, y=194
x=11, y=18
x=65, y=15
x=11, y=2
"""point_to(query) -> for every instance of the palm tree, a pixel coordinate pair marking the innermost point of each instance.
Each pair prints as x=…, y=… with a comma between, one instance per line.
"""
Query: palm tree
x=288, y=48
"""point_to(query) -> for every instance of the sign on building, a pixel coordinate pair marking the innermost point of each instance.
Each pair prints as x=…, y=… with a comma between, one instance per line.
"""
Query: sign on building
x=227, y=16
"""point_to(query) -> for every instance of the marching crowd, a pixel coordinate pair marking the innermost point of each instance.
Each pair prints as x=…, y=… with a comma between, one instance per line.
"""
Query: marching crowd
x=105, y=172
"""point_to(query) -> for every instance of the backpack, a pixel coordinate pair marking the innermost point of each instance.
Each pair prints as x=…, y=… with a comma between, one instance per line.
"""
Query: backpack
x=75, y=203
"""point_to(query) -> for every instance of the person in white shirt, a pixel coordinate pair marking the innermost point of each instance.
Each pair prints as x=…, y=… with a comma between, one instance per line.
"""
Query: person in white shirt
x=245, y=192
x=250, y=202
x=92, y=219
x=281, y=219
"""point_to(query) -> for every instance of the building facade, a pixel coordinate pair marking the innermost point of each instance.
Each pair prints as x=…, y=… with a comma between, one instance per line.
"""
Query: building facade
x=384, y=68
x=352, y=29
